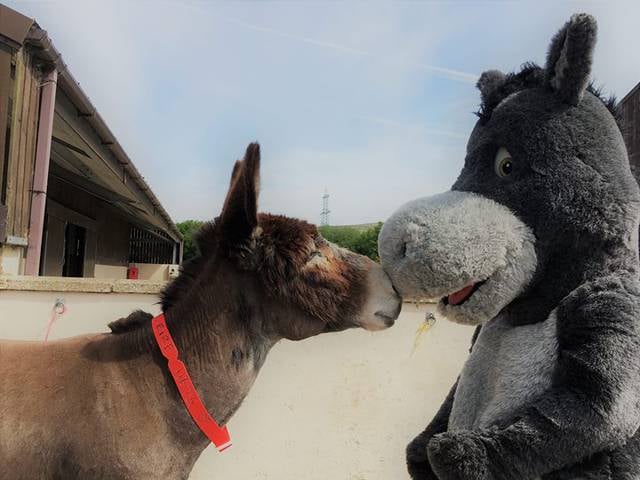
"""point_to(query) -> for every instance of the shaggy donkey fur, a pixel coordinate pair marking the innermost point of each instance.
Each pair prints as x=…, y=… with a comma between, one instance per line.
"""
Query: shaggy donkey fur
x=537, y=243
x=104, y=406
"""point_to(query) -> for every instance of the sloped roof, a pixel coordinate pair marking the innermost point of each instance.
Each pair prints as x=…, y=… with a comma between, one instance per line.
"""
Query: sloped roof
x=23, y=31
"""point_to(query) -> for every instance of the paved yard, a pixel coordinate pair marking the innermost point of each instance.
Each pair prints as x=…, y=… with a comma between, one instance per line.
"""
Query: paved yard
x=339, y=406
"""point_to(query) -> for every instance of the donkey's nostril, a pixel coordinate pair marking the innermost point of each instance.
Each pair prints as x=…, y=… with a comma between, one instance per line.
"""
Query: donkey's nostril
x=403, y=250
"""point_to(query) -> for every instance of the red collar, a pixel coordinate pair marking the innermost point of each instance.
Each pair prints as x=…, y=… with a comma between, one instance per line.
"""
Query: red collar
x=219, y=436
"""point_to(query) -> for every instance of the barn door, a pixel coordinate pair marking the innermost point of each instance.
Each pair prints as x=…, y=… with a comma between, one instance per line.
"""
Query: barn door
x=75, y=238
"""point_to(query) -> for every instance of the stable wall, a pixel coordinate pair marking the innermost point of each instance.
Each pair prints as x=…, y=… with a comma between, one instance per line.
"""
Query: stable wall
x=156, y=272
x=107, y=240
x=630, y=113
x=11, y=260
x=338, y=406
x=19, y=111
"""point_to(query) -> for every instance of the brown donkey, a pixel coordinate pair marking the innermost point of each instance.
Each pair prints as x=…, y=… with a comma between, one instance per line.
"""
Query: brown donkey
x=103, y=406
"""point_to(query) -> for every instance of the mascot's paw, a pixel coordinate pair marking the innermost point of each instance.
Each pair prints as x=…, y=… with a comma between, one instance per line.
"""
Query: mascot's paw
x=459, y=456
x=417, y=460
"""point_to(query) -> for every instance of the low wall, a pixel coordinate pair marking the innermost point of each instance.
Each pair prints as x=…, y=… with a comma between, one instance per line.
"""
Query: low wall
x=26, y=304
x=146, y=271
x=338, y=406
x=109, y=271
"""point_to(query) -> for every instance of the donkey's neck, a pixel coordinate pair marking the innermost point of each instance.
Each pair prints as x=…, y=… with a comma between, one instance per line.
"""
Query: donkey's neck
x=223, y=354
x=221, y=339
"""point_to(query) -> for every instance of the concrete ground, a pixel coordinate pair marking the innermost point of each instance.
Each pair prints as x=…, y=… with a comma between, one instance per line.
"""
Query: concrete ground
x=338, y=406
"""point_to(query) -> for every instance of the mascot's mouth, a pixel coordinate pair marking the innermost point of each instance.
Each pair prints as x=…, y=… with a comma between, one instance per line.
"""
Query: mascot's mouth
x=462, y=295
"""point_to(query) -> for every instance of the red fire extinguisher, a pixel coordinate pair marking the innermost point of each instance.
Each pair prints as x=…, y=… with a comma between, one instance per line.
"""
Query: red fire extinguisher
x=132, y=272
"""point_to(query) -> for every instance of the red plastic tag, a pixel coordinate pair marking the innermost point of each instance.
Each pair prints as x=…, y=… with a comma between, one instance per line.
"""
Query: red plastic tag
x=219, y=436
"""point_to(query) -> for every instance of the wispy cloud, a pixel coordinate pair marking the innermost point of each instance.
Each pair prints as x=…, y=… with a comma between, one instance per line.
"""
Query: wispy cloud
x=449, y=73
x=413, y=128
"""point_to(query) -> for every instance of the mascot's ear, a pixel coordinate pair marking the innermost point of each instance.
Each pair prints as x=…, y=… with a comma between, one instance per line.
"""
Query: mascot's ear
x=570, y=56
x=489, y=82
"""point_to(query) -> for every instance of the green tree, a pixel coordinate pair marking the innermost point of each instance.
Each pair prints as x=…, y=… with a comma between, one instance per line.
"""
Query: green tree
x=367, y=242
x=189, y=228
x=355, y=239
x=346, y=237
x=364, y=242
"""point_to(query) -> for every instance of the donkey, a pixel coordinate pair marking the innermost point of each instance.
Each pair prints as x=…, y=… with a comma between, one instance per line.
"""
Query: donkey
x=104, y=405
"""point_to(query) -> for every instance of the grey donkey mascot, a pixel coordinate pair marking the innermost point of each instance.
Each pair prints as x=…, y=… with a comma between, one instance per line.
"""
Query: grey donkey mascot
x=536, y=244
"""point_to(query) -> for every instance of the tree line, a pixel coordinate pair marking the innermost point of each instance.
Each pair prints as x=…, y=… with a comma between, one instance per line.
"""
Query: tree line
x=357, y=239
x=360, y=240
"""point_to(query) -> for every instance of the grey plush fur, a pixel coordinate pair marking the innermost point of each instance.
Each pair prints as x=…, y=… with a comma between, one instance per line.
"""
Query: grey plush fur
x=450, y=240
x=543, y=221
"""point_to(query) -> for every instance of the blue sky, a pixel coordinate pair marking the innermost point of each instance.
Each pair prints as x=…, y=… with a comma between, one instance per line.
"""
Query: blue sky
x=372, y=101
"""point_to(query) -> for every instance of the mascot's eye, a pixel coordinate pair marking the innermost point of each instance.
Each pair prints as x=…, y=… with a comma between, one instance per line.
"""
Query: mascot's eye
x=503, y=163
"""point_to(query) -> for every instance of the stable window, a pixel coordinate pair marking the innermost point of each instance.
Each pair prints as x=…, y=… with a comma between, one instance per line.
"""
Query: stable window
x=146, y=246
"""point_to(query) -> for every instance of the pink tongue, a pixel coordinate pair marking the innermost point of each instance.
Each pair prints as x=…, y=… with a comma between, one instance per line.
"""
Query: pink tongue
x=461, y=295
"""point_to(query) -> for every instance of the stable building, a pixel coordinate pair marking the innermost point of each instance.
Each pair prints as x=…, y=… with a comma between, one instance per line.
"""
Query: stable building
x=72, y=203
x=630, y=112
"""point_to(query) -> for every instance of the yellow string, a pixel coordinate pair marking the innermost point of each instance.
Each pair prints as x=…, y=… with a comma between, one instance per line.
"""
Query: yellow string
x=428, y=322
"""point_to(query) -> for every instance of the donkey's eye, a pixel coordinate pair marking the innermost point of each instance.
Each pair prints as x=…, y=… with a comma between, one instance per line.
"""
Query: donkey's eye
x=315, y=254
x=503, y=163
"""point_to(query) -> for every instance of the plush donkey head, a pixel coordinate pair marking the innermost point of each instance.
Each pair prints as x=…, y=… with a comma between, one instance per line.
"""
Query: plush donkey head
x=277, y=274
x=544, y=201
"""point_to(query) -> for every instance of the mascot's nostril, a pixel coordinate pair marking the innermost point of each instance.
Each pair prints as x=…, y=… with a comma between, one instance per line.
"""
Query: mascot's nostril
x=403, y=250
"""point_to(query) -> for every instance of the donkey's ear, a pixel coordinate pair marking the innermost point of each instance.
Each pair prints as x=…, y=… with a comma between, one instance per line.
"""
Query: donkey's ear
x=239, y=216
x=236, y=170
x=489, y=83
x=570, y=56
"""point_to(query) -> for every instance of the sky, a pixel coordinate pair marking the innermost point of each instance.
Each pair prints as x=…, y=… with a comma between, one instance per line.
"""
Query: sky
x=371, y=101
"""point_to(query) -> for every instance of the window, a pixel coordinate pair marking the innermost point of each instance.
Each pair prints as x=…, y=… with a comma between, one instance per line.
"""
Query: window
x=150, y=247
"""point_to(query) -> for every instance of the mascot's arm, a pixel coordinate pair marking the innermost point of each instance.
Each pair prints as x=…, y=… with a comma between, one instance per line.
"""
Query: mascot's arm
x=417, y=461
x=592, y=406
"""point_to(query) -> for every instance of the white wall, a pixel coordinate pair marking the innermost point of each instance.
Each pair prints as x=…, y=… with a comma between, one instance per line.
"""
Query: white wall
x=338, y=406
x=11, y=259
x=24, y=314
x=156, y=272
x=109, y=271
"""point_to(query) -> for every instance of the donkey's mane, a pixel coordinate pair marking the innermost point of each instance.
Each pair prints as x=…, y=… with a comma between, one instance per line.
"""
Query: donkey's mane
x=177, y=288
x=531, y=76
x=190, y=269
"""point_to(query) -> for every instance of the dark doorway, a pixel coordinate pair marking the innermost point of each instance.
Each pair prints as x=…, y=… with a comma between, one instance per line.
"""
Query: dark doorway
x=74, y=245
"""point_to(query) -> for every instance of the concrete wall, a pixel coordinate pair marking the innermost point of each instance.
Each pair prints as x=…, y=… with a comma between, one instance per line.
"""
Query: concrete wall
x=152, y=271
x=109, y=271
x=11, y=260
x=146, y=271
x=338, y=406
x=24, y=314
